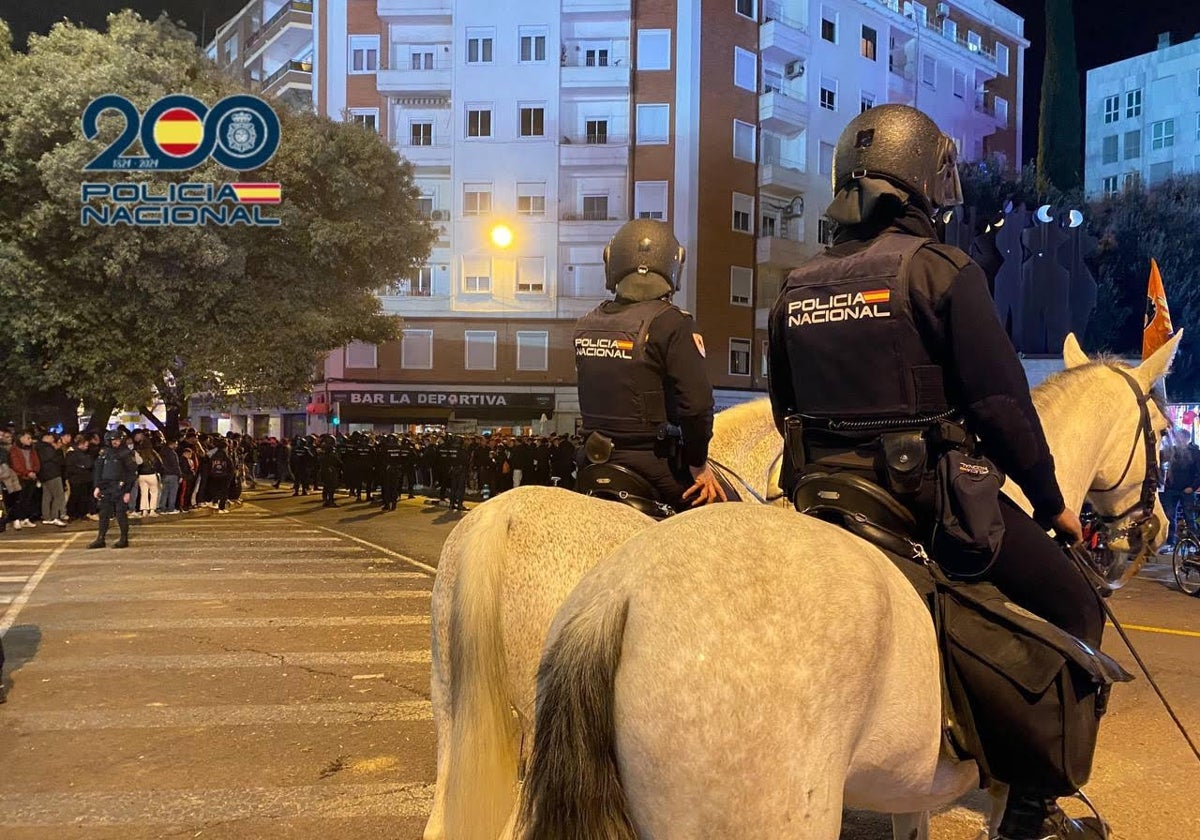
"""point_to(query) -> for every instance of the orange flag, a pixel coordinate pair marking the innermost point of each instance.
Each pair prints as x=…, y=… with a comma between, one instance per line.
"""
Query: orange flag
x=1157, y=325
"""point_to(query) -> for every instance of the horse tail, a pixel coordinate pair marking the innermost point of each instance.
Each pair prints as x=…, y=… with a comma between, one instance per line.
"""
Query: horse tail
x=481, y=787
x=573, y=788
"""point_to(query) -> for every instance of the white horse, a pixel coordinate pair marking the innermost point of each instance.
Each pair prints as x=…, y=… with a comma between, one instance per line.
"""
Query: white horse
x=503, y=572
x=684, y=696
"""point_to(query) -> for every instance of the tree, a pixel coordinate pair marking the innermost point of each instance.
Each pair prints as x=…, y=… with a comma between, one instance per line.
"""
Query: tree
x=1060, y=126
x=113, y=315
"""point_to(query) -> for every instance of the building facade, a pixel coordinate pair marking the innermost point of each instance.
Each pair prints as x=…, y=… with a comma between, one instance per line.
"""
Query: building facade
x=1143, y=119
x=269, y=43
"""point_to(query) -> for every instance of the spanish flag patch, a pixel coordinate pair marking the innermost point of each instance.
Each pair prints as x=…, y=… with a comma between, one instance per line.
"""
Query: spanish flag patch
x=877, y=296
x=258, y=193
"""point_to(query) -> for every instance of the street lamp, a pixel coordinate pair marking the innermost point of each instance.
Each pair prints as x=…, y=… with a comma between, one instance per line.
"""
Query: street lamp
x=502, y=236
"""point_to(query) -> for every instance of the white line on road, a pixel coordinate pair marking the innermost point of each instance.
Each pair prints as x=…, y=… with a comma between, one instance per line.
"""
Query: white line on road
x=14, y=578
x=19, y=562
x=196, y=806
x=215, y=623
x=14, y=609
x=274, y=595
x=165, y=717
x=6, y=599
x=272, y=538
x=217, y=661
x=220, y=559
x=219, y=574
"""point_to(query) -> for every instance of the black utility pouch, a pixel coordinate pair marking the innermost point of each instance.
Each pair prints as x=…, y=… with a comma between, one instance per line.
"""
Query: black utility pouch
x=598, y=448
x=903, y=456
x=968, y=528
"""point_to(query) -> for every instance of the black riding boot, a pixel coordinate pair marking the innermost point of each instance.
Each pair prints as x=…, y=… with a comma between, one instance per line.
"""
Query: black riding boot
x=123, y=524
x=1030, y=816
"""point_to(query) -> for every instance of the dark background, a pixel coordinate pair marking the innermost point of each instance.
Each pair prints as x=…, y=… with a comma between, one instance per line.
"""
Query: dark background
x=1105, y=30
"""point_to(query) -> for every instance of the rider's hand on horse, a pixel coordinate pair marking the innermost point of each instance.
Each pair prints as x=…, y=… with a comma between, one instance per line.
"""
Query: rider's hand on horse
x=706, y=488
x=1067, y=524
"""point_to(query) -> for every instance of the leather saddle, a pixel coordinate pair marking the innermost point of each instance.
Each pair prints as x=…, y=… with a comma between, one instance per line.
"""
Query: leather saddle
x=861, y=507
x=620, y=484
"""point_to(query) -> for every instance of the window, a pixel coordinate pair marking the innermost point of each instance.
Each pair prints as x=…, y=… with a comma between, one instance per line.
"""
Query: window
x=743, y=212
x=477, y=199
x=359, y=354
x=869, y=44
x=231, y=49
x=829, y=93
x=1112, y=109
x=825, y=230
x=1198, y=82
x=366, y=117
x=1111, y=149
x=416, y=350
x=533, y=350
x=745, y=69
x=420, y=134
x=866, y=102
x=480, y=349
x=1002, y=59
x=420, y=59
x=595, y=57
x=1132, y=181
x=917, y=12
x=531, y=275
x=743, y=141
x=746, y=8
x=960, y=84
x=772, y=81
x=533, y=120
x=770, y=223
x=826, y=162
x=1000, y=104
x=741, y=286
x=653, y=123
x=531, y=199
x=654, y=49
x=764, y=365
x=364, y=53
x=595, y=208
x=425, y=206
x=1198, y=126
x=975, y=42
x=1133, y=103
x=650, y=200
x=479, y=121
x=929, y=71
x=479, y=44
x=596, y=131
x=1110, y=186
x=1133, y=144
x=949, y=29
x=1162, y=134
x=477, y=274
x=829, y=22
x=532, y=44
x=419, y=285
x=1160, y=172
x=739, y=356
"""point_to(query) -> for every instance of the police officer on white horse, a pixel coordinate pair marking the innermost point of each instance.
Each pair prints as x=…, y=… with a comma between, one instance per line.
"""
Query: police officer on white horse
x=644, y=392
x=890, y=329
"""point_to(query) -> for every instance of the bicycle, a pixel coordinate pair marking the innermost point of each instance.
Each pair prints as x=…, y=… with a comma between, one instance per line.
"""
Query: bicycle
x=1185, y=555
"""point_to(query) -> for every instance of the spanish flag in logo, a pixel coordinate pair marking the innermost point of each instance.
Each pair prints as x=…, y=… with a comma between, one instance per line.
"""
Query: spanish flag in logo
x=1157, y=325
x=877, y=296
x=258, y=193
x=622, y=344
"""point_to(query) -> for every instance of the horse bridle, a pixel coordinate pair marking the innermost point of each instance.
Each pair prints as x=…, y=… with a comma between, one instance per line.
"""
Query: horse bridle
x=729, y=473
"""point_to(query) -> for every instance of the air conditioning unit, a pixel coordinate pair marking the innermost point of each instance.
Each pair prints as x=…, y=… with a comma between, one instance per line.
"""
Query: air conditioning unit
x=438, y=215
x=943, y=10
x=793, y=69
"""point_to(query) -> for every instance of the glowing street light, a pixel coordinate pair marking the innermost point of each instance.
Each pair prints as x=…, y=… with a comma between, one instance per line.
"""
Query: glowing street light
x=502, y=236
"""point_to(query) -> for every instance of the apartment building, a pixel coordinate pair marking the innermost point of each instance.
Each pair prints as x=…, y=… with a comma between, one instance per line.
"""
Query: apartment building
x=269, y=43
x=1143, y=119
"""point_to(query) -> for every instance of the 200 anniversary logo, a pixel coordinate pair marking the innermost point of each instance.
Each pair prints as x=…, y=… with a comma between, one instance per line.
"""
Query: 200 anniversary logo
x=179, y=133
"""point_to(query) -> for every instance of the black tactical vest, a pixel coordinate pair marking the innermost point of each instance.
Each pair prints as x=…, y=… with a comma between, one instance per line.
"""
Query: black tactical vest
x=855, y=351
x=620, y=388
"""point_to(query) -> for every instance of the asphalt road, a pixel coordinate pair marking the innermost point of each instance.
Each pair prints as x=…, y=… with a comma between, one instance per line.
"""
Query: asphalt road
x=266, y=674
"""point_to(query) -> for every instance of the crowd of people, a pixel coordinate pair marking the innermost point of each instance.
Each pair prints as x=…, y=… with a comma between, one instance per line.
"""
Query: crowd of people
x=47, y=477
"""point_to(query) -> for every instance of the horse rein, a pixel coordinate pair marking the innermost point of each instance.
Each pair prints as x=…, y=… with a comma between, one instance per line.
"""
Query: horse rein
x=730, y=474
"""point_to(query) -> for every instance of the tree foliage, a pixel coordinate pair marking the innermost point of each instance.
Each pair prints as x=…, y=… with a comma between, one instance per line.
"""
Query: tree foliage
x=112, y=314
x=1060, y=126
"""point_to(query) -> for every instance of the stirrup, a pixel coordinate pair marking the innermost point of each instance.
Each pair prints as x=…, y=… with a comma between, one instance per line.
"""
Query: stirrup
x=1101, y=830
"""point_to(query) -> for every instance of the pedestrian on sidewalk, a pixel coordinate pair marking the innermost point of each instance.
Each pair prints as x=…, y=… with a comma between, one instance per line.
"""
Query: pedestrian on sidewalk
x=170, y=477
x=113, y=475
x=220, y=474
x=52, y=467
x=24, y=462
x=149, y=466
x=80, y=462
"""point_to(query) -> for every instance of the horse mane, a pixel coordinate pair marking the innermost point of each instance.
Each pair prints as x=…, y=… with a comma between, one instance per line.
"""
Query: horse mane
x=742, y=421
x=1056, y=386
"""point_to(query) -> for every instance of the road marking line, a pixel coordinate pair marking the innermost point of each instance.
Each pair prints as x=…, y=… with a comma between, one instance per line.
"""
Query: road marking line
x=25, y=550
x=404, y=557
x=140, y=597
x=1166, y=631
x=14, y=578
x=19, y=563
x=14, y=609
x=218, y=574
x=6, y=599
x=195, y=807
x=221, y=560
x=215, y=623
x=273, y=539
x=206, y=661
x=189, y=717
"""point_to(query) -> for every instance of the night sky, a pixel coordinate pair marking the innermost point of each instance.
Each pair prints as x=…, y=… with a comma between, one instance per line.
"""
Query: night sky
x=1106, y=30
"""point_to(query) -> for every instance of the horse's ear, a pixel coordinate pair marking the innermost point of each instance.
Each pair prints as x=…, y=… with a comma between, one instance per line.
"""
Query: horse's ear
x=1155, y=368
x=1073, y=354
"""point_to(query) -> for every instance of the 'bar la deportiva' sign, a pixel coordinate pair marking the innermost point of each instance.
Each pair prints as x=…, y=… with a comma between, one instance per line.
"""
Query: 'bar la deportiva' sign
x=444, y=399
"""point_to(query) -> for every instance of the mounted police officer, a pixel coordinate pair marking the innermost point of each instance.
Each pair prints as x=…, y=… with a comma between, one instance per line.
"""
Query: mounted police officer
x=644, y=392
x=890, y=330
x=113, y=475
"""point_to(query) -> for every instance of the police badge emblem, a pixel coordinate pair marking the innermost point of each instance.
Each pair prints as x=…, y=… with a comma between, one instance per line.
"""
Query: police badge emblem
x=699, y=341
x=241, y=136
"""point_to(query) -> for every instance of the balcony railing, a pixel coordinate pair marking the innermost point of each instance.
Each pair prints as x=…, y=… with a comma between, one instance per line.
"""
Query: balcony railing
x=935, y=25
x=595, y=140
x=405, y=288
x=773, y=10
x=405, y=63
x=589, y=216
x=774, y=159
x=284, y=69
x=277, y=21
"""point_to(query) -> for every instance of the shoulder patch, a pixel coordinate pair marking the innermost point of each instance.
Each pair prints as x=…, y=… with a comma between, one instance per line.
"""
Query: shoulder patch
x=698, y=340
x=955, y=256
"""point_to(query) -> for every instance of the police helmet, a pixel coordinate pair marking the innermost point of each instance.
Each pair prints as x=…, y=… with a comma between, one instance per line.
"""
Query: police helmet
x=643, y=246
x=903, y=146
x=113, y=435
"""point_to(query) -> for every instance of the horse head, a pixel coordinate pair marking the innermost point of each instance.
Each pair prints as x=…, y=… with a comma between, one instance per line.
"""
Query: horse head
x=1124, y=488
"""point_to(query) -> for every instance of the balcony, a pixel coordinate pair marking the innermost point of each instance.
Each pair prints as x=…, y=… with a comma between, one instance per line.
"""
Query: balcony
x=902, y=87
x=584, y=7
x=781, y=174
x=781, y=113
x=425, y=155
x=781, y=38
x=291, y=75
x=286, y=33
x=596, y=150
x=596, y=68
x=781, y=252
x=431, y=79
x=397, y=11
x=588, y=226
